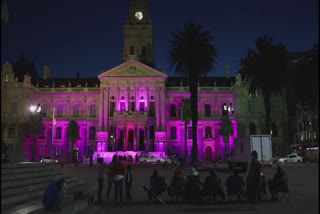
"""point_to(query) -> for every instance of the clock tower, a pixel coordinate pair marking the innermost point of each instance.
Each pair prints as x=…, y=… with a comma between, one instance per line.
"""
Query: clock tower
x=138, y=33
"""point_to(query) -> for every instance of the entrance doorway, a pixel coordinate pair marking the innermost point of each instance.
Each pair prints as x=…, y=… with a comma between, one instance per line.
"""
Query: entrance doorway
x=208, y=154
x=141, y=140
x=130, y=140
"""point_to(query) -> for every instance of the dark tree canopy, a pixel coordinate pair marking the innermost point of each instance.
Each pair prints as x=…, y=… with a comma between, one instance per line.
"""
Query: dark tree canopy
x=23, y=67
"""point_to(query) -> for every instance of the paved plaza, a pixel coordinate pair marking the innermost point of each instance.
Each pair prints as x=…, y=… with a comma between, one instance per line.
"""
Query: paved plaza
x=303, y=186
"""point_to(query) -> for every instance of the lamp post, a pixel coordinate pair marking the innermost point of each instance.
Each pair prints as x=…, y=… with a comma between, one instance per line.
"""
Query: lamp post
x=34, y=109
x=53, y=123
x=226, y=132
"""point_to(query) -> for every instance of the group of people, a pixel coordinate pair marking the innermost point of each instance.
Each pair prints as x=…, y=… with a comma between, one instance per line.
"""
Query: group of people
x=190, y=189
x=117, y=176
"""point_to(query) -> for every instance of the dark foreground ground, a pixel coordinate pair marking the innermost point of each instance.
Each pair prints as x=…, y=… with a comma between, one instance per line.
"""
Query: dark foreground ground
x=303, y=197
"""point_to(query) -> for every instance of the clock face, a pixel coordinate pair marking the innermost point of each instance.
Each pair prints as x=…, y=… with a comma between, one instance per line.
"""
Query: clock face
x=138, y=15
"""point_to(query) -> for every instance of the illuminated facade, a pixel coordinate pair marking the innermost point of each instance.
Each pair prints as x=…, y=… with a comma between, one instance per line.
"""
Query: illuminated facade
x=130, y=108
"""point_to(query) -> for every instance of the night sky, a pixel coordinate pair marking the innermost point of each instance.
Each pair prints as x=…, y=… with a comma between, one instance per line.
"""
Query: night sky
x=71, y=36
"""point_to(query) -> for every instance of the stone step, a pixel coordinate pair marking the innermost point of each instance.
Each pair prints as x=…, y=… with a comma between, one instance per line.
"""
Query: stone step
x=28, y=181
x=35, y=190
x=20, y=169
x=29, y=175
x=35, y=186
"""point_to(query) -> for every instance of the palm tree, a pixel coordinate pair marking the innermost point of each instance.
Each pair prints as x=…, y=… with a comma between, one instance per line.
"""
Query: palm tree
x=264, y=71
x=225, y=131
x=33, y=127
x=73, y=135
x=186, y=117
x=193, y=56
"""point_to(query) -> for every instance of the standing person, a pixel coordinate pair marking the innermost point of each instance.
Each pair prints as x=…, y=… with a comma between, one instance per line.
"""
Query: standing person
x=53, y=195
x=136, y=158
x=253, y=178
x=118, y=171
x=101, y=176
x=110, y=176
x=91, y=160
x=128, y=182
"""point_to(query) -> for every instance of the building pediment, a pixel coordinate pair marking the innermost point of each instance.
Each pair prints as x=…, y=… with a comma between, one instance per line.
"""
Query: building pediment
x=132, y=68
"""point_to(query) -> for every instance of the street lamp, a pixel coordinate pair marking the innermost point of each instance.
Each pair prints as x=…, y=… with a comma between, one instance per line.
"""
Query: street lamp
x=53, y=123
x=34, y=109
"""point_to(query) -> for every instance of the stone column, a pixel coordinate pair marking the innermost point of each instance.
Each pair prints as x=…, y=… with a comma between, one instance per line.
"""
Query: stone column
x=101, y=109
x=147, y=100
x=135, y=138
x=162, y=108
x=157, y=106
x=106, y=109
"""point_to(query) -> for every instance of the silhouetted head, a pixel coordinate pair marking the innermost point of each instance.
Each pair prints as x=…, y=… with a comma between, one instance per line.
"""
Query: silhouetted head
x=100, y=160
x=60, y=183
x=213, y=172
x=279, y=169
x=254, y=154
x=155, y=173
x=120, y=158
x=114, y=158
x=235, y=172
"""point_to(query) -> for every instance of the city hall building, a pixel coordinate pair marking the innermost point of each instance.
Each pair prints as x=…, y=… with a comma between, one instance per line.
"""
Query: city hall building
x=132, y=108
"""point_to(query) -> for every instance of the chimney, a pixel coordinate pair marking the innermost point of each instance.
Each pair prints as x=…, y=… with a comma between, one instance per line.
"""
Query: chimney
x=47, y=72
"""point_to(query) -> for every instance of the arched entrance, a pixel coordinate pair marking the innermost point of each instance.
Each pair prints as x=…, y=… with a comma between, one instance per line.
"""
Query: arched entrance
x=208, y=154
x=130, y=140
x=141, y=140
x=121, y=141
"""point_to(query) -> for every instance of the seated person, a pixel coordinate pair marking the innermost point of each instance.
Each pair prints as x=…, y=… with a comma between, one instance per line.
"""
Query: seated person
x=279, y=183
x=177, y=185
x=235, y=184
x=193, y=189
x=212, y=186
x=53, y=195
x=157, y=184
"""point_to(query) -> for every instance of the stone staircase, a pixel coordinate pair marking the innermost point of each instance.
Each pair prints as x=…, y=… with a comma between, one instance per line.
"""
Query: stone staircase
x=23, y=184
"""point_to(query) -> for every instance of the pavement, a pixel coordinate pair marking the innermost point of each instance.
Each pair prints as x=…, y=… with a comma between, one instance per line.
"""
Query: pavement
x=303, y=186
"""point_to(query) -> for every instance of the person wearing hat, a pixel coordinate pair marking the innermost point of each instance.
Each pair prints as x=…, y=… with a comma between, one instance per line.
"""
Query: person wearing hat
x=253, y=178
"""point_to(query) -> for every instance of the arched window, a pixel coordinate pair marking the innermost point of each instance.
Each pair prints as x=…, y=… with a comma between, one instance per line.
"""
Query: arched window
x=274, y=129
x=207, y=110
x=44, y=110
x=190, y=133
x=252, y=128
x=173, y=133
x=208, y=132
x=173, y=111
x=42, y=133
x=12, y=130
x=92, y=133
x=58, y=132
x=76, y=111
x=93, y=110
x=60, y=111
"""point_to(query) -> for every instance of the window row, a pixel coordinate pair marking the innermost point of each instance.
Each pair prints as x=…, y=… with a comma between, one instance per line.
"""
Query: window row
x=59, y=112
x=174, y=112
x=58, y=133
x=173, y=132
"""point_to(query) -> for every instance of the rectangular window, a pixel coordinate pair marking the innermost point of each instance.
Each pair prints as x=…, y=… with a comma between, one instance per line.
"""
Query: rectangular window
x=144, y=51
x=112, y=108
x=251, y=106
x=141, y=106
x=58, y=150
x=190, y=133
x=43, y=111
x=132, y=106
x=76, y=112
x=14, y=106
x=122, y=106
